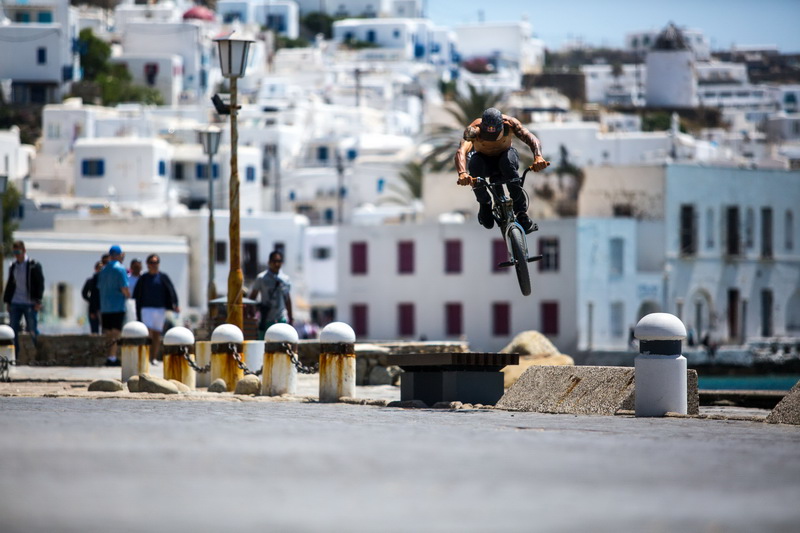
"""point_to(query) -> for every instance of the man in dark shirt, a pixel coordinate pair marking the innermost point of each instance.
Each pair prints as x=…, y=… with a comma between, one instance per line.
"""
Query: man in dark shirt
x=24, y=291
x=155, y=295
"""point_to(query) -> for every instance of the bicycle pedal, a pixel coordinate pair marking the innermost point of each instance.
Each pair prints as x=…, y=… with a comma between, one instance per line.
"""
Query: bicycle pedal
x=534, y=258
x=535, y=227
x=505, y=264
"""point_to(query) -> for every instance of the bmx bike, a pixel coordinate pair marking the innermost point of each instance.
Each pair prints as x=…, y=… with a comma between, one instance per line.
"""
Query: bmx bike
x=513, y=234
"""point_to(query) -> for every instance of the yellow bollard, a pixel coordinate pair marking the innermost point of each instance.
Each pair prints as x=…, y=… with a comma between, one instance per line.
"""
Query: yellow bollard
x=178, y=345
x=280, y=374
x=337, y=362
x=134, y=350
x=202, y=354
x=226, y=340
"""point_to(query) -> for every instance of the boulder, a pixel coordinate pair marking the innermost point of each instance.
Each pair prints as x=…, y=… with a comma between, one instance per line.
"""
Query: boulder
x=249, y=384
x=788, y=410
x=218, y=385
x=182, y=387
x=105, y=385
x=148, y=383
x=133, y=384
x=534, y=349
x=384, y=375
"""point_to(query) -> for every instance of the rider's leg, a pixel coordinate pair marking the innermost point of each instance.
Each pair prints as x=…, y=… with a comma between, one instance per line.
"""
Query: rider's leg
x=479, y=165
x=509, y=163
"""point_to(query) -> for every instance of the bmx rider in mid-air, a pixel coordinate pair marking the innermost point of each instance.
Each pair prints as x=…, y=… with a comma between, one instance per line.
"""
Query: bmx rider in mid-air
x=489, y=140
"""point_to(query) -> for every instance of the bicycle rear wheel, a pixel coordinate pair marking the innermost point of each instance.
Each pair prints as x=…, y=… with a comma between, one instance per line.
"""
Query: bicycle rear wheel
x=516, y=238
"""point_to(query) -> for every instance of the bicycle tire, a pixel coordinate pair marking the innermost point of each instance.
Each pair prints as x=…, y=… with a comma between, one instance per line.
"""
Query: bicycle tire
x=516, y=238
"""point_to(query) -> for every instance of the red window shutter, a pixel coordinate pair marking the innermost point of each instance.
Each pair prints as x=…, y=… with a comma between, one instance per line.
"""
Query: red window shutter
x=454, y=319
x=550, y=318
x=358, y=258
x=359, y=314
x=405, y=257
x=501, y=319
x=499, y=255
x=452, y=256
x=405, y=314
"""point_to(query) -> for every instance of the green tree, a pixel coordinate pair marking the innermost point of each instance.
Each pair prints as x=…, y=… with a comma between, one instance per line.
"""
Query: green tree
x=94, y=53
x=10, y=199
x=116, y=88
x=317, y=22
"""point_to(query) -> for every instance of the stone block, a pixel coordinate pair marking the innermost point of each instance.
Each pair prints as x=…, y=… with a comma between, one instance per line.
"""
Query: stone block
x=788, y=410
x=581, y=390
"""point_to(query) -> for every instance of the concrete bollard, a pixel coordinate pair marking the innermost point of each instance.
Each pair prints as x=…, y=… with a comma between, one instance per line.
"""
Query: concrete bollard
x=280, y=374
x=223, y=363
x=660, y=369
x=134, y=350
x=202, y=354
x=7, y=353
x=179, y=344
x=337, y=362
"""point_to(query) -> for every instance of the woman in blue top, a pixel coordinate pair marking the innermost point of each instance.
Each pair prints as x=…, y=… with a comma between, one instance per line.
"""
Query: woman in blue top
x=154, y=295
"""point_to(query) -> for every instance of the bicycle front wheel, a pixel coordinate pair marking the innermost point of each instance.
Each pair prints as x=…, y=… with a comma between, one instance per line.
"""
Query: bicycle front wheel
x=516, y=238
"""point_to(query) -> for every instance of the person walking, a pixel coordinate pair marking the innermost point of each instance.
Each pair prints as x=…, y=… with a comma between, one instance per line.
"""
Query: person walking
x=23, y=293
x=276, y=302
x=91, y=293
x=112, y=282
x=154, y=296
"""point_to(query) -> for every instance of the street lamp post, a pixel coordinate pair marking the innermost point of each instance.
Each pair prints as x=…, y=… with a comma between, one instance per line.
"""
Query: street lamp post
x=209, y=138
x=233, y=62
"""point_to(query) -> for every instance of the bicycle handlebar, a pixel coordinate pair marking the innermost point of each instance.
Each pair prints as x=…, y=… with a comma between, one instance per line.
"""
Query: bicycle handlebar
x=482, y=181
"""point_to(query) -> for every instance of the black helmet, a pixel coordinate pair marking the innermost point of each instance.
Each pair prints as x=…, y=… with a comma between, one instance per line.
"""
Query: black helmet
x=491, y=124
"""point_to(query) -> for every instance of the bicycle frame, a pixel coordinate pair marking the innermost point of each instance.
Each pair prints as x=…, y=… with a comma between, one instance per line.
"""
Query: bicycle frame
x=503, y=210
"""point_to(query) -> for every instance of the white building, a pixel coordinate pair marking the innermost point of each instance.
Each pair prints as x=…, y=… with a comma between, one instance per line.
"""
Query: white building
x=349, y=8
x=281, y=17
x=163, y=72
x=626, y=88
x=44, y=61
x=672, y=77
x=411, y=37
x=15, y=157
x=506, y=42
x=642, y=41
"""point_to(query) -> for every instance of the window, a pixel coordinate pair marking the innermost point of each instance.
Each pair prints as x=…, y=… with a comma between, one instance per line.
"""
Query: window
x=177, y=172
x=221, y=251
x=501, y=319
x=749, y=228
x=321, y=253
x=452, y=256
x=250, y=174
x=92, y=168
x=44, y=17
x=709, y=228
x=322, y=153
x=766, y=232
x=371, y=36
x=549, y=318
x=405, y=319
x=499, y=255
x=766, y=313
x=688, y=230
x=616, y=259
x=41, y=56
x=162, y=168
x=549, y=250
x=360, y=319
x=358, y=258
x=732, y=236
x=396, y=34
x=617, y=316
x=454, y=325
x=200, y=171
x=788, y=231
x=405, y=257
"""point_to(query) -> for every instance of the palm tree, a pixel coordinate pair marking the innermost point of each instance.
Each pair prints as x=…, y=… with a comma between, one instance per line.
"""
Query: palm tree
x=411, y=187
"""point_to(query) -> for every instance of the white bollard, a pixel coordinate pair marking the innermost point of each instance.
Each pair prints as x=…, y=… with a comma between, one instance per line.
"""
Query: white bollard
x=223, y=363
x=7, y=352
x=179, y=344
x=202, y=354
x=280, y=375
x=660, y=368
x=134, y=350
x=337, y=362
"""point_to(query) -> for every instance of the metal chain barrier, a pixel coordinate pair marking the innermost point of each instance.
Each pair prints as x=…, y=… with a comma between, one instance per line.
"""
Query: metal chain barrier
x=296, y=361
x=240, y=363
x=184, y=351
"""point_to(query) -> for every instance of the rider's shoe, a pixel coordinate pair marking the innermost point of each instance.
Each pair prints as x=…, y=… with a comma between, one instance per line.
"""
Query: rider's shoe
x=525, y=221
x=485, y=216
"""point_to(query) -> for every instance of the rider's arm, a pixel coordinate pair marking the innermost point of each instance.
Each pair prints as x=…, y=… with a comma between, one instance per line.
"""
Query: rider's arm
x=461, y=158
x=525, y=136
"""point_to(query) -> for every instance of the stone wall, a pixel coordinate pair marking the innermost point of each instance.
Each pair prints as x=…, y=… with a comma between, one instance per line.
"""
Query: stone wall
x=63, y=350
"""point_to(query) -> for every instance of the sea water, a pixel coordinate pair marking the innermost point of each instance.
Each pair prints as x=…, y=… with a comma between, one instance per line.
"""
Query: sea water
x=780, y=382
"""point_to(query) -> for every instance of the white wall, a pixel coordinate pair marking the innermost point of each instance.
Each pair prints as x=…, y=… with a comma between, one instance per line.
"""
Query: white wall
x=168, y=80
x=671, y=79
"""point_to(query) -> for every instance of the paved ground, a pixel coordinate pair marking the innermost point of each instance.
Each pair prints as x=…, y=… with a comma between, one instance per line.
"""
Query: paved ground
x=85, y=465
